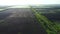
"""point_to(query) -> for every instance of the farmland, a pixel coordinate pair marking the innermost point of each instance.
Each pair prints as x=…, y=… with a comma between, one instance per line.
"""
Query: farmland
x=3, y=8
x=48, y=17
x=30, y=20
x=17, y=20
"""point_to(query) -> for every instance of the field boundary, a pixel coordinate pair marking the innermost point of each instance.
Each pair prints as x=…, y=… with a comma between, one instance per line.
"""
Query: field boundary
x=50, y=27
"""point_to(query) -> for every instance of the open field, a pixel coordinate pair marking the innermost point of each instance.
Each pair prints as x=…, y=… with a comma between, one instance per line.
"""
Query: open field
x=48, y=18
x=15, y=20
x=3, y=8
x=18, y=20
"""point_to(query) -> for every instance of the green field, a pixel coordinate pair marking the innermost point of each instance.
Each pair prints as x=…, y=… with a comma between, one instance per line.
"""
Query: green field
x=50, y=27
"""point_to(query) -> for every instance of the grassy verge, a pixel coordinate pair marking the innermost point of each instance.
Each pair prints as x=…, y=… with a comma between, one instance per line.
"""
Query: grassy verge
x=50, y=27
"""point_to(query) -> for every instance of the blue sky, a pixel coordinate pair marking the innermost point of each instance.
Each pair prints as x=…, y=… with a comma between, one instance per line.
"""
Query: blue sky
x=28, y=2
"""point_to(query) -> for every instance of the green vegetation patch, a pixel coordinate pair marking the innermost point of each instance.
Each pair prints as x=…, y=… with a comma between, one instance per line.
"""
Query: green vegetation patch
x=50, y=27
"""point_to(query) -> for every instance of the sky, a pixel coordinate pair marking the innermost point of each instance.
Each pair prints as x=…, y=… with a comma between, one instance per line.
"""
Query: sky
x=28, y=2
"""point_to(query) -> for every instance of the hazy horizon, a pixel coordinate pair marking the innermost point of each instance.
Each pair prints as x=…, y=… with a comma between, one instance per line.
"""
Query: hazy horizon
x=28, y=2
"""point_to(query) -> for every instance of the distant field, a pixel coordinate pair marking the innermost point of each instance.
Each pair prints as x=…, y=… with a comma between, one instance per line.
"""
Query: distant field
x=3, y=7
x=19, y=6
x=51, y=14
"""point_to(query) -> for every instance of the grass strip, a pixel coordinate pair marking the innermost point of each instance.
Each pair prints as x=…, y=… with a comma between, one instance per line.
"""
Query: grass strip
x=50, y=27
